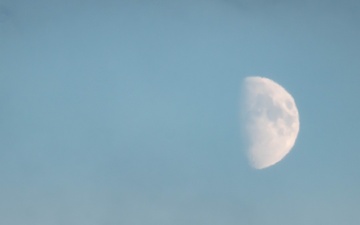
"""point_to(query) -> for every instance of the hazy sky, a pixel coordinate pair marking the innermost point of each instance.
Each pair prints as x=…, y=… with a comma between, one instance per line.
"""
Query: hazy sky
x=127, y=112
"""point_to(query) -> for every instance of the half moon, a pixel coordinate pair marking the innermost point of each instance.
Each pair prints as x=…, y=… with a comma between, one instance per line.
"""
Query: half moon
x=271, y=121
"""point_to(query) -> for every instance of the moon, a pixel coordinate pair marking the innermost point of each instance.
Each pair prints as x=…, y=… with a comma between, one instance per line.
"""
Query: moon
x=270, y=120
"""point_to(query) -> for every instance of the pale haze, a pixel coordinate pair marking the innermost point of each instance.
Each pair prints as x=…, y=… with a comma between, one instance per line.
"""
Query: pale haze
x=127, y=112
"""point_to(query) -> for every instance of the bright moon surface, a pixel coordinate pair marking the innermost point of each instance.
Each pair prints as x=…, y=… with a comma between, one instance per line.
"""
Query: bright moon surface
x=271, y=121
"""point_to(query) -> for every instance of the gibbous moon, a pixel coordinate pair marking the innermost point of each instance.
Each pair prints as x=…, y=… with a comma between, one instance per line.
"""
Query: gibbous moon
x=271, y=121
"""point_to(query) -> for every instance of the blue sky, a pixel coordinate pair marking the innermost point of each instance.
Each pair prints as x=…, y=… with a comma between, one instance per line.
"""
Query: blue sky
x=127, y=112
